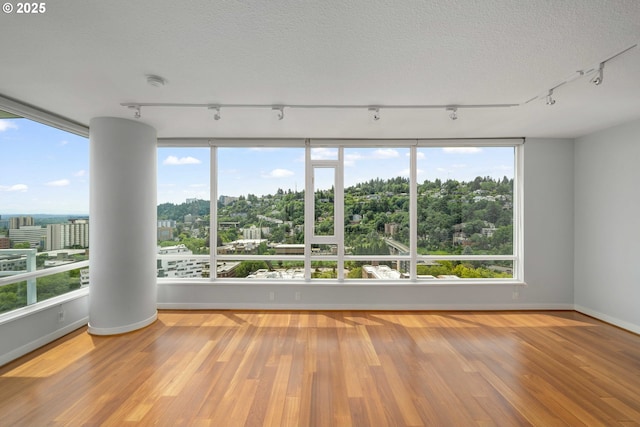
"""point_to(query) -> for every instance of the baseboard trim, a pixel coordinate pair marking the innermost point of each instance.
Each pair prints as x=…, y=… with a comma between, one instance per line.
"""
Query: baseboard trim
x=631, y=327
x=123, y=329
x=383, y=307
x=42, y=341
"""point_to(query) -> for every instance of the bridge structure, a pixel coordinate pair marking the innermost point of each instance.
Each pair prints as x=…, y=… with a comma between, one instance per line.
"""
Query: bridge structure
x=397, y=248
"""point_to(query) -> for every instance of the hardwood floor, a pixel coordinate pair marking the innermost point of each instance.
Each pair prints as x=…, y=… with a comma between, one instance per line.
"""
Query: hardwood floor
x=336, y=368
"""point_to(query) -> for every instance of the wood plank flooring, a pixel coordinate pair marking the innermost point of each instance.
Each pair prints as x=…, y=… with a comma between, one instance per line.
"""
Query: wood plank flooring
x=335, y=368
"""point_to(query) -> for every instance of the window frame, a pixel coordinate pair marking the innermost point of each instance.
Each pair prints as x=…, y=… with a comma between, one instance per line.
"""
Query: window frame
x=517, y=256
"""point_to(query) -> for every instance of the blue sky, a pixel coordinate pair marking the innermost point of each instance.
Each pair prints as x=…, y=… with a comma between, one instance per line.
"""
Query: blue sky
x=42, y=169
x=45, y=170
x=183, y=172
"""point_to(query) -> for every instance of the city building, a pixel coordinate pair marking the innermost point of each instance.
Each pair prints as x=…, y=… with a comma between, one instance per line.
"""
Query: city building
x=20, y=221
x=166, y=223
x=174, y=261
x=4, y=223
x=33, y=234
x=255, y=233
x=75, y=233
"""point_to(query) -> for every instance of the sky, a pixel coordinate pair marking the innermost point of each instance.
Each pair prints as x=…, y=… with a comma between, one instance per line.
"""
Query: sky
x=43, y=170
x=46, y=170
x=183, y=172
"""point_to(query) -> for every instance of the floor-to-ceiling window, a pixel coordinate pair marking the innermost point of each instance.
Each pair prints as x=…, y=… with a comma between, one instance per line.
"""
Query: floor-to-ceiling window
x=44, y=212
x=351, y=211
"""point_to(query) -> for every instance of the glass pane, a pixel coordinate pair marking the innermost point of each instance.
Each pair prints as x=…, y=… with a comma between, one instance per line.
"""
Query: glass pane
x=324, y=250
x=323, y=186
x=45, y=207
x=270, y=269
x=324, y=270
x=324, y=153
x=183, y=206
x=385, y=270
x=465, y=200
x=376, y=201
x=17, y=295
x=428, y=270
x=61, y=283
x=260, y=201
x=179, y=261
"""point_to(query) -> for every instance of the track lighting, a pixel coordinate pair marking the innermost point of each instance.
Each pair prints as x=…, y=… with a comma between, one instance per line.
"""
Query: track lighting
x=550, y=100
x=599, y=77
x=136, y=111
x=280, y=111
x=155, y=80
x=376, y=113
x=216, y=114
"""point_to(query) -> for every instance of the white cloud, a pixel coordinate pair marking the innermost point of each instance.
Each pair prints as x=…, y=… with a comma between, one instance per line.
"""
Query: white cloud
x=81, y=172
x=462, y=150
x=324, y=153
x=197, y=185
x=385, y=153
x=6, y=125
x=278, y=173
x=63, y=143
x=173, y=160
x=350, y=159
x=58, y=183
x=16, y=187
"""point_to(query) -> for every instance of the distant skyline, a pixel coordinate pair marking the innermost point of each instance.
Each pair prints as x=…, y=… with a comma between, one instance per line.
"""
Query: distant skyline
x=46, y=170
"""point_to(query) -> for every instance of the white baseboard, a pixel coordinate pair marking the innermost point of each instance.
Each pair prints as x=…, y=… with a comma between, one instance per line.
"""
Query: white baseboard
x=338, y=306
x=609, y=319
x=123, y=329
x=35, y=344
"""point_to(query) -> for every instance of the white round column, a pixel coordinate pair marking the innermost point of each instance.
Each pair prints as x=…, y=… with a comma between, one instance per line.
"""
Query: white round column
x=123, y=215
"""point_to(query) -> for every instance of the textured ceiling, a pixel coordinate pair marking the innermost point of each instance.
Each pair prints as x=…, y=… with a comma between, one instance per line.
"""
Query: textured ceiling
x=82, y=59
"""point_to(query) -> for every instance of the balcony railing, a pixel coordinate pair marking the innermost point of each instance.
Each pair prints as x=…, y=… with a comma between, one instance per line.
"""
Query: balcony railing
x=22, y=284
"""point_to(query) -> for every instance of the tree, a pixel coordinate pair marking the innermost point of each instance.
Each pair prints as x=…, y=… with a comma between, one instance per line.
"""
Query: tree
x=247, y=267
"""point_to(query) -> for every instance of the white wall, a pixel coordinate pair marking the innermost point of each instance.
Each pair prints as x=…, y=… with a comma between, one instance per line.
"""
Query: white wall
x=548, y=213
x=26, y=329
x=607, y=227
x=548, y=220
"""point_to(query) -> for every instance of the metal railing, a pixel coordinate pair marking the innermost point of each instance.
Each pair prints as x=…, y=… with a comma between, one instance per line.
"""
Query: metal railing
x=30, y=275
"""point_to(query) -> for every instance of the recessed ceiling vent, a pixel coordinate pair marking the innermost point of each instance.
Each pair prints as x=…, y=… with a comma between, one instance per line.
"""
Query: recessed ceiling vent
x=156, y=81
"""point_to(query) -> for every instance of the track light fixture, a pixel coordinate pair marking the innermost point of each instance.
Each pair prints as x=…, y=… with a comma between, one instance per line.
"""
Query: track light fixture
x=453, y=113
x=280, y=111
x=599, y=77
x=550, y=100
x=136, y=111
x=376, y=113
x=216, y=114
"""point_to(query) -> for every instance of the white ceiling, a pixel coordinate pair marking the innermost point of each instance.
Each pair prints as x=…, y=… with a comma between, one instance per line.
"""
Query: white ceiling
x=82, y=59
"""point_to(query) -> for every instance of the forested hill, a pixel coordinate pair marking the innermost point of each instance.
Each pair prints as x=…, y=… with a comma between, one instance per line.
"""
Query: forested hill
x=176, y=212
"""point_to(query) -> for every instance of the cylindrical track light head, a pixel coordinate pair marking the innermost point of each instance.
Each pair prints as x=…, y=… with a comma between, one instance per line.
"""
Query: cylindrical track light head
x=550, y=100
